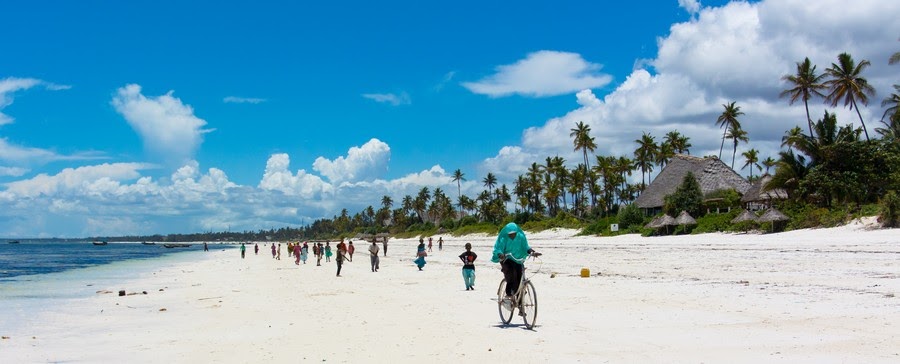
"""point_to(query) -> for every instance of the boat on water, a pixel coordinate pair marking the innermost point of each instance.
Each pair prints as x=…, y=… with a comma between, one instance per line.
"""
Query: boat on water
x=170, y=246
x=12, y=242
x=146, y=243
x=100, y=243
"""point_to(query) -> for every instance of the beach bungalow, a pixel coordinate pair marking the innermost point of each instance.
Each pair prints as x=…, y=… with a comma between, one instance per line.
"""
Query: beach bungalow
x=758, y=198
x=711, y=173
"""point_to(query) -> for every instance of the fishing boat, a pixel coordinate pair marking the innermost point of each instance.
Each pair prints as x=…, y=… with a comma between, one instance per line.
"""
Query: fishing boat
x=12, y=242
x=170, y=246
x=100, y=243
x=146, y=243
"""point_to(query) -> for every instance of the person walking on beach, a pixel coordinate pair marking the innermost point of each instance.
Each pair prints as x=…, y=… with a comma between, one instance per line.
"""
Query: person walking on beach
x=256, y=248
x=273, y=250
x=373, y=252
x=319, y=254
x=420, y=255
x=243, y=250
x=384, y=243
x=468, y=270
x=429, y=244
x=440, y=243
x=205, y=247
x=327, y=251
x=279, y=252
x=303, y=252
x=339, y=259
x=510, y=251
x=296, y=253
x=351, y=249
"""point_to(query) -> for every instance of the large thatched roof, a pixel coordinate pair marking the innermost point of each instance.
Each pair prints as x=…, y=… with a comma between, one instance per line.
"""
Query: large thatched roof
x=710, y=172
x=684, y=218
x=759, y=193
x=773, y=215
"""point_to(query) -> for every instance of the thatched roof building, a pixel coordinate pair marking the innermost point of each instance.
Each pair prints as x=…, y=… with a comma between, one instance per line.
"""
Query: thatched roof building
x=712, y=174
x=759, y=195
x=684, y=218
x=773, y=215
x=745, y=215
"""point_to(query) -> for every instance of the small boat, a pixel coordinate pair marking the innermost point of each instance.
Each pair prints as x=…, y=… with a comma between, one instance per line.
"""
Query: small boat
x=100, y=243
x=146, y=243
x=12, y=242
x=170, y=246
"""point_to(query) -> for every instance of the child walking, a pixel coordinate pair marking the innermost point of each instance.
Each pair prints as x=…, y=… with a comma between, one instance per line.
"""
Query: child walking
x=468, y=269
x=327, y=251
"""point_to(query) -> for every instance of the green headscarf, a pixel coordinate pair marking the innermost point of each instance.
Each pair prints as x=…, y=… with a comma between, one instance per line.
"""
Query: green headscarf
x=515, y=249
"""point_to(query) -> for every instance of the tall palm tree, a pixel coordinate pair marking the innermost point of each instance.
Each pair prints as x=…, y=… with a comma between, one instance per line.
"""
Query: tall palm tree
x=737, y=135
x=679, y=143
x=769, y=162
x=584, y=142
x=751, y=158
x=728, y=120
x=645, y=154
x=847, y=84
x=458, y=176
x=806, y=85
x=489, y=181
x=387, y=202
x=893, y=104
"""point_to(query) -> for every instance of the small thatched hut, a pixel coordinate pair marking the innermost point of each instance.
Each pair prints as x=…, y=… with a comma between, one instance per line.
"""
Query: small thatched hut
x=759, y=196
x=772, y=215
x=684, y=218
x=745, y=215
x=711, y=173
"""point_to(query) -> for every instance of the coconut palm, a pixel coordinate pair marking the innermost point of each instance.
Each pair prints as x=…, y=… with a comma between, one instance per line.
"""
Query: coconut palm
x=769, y=162
x=583, y=141
x=847, y=84
x=458, y=176
x=737, y=135
x=728, y=120
x=893, y=104
x=645, y=154
x=489, y=181
x=806, y=84
x=679, y=143
x=751, y=158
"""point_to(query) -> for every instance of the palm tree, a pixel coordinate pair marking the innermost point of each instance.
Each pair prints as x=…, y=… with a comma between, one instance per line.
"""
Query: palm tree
x=737, y=135
x=893, y=103
x=679, y=143
x=806, y=85
x=751, y=158
x=847, y=84
x=584, y=142
x=387, y=202
x=728, y=120
x=645, y=154
x=489, y=181
x=769, y=162
x=457, y=177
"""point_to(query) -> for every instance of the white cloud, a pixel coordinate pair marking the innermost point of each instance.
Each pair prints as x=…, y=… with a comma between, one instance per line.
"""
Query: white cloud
x=278, y=177
x=81, y=180
x=542, y=73
x=168, y=127
x=10, y=85
x=691, y=6
x=445, y=80
x=242, y=100
x=737, y=52
x=12, y=171
x=361, y=163
x=393, y=99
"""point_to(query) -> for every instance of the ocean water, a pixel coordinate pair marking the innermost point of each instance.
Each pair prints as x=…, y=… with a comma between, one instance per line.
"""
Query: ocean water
x=39, y=276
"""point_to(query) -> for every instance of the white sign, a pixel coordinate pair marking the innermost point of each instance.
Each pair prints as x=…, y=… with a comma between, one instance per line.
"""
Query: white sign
x=613, y=227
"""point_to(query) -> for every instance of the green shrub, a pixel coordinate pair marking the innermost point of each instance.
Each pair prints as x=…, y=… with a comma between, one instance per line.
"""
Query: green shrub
x=687, y=197
x=890, y=209
x=711, y=223
x=484, y=227
x=629, y=216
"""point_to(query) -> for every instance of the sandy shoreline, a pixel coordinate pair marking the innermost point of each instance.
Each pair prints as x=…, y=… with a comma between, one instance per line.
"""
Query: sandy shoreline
x=814, y=296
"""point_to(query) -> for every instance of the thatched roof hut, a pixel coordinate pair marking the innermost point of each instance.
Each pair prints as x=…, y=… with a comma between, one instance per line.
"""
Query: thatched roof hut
x=760, y=194
x=660, y=221
x=745, y=215
x=684, y=218
x=773, y=215
x=711, y=173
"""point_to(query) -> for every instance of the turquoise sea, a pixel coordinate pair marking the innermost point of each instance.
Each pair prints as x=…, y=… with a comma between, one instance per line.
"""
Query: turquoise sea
x=38, y=276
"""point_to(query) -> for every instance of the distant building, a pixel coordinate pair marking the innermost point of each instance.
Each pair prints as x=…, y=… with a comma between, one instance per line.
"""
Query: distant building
x=712, y=174
x=758, y=198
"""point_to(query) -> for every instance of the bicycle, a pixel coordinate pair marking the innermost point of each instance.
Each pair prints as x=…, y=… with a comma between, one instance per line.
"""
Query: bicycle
x=525, y=300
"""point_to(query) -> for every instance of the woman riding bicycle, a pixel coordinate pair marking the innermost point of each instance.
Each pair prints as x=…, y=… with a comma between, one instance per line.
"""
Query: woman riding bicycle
x=510, y=251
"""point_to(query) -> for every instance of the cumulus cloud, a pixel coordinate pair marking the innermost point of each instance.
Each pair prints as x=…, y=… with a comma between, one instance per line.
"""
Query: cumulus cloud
x=542, y=73
x=168, y=127
x=361, y=163
x=12, y=171
x=393, y=99
x=278, y=177
x=736, y=52
x=81, y=180
x=691, y=6
x=242, y=100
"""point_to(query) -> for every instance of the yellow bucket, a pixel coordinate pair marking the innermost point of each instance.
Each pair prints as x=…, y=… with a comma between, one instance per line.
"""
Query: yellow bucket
x=585, y=272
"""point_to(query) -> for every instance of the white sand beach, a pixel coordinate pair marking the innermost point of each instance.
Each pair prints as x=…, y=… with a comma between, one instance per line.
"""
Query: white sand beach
x=807, y=296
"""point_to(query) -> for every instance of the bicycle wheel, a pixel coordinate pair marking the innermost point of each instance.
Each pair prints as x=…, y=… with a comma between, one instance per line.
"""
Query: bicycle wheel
x=505, y=307
x=528, y=306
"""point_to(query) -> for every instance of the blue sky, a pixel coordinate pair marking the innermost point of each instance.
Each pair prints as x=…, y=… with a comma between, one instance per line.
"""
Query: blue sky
x=167, y=116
